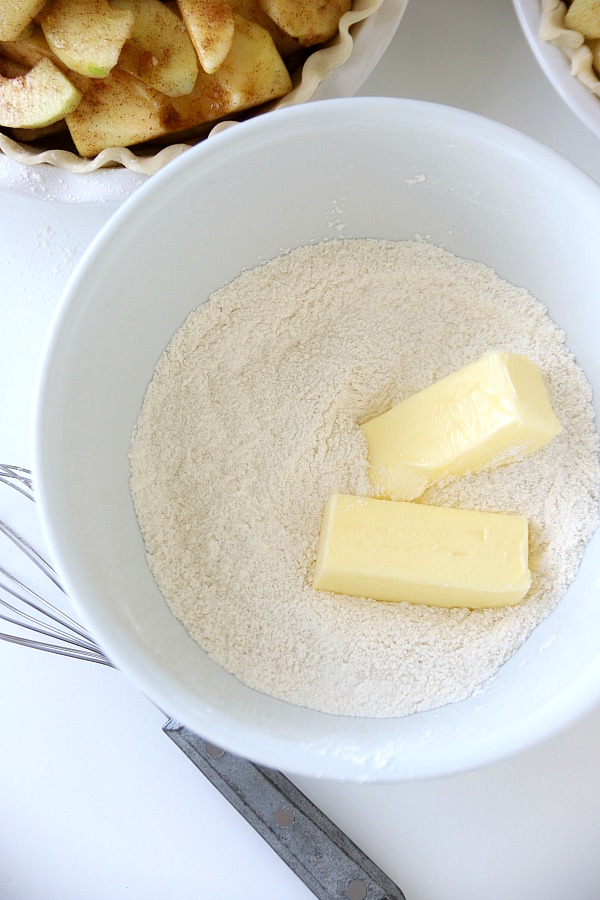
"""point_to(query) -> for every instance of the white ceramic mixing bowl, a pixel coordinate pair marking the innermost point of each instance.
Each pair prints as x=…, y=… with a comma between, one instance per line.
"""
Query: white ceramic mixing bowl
x=380, y=168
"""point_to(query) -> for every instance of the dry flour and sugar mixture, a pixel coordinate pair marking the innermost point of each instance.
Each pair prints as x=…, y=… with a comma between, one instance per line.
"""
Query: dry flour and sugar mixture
x=250, y=423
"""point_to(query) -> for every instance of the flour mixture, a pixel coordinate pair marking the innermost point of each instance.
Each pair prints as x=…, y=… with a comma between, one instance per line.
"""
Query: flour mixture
x=250, y=424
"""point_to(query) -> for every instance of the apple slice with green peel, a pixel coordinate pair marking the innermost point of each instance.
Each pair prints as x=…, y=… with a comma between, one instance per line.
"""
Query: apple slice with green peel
x=253, y=73
x=310, y=22
x=15, y=16
x=210, y=25
x=118, y=111
x=87, y=35
x=159, y=50
x=42, y=96
x=11, y=69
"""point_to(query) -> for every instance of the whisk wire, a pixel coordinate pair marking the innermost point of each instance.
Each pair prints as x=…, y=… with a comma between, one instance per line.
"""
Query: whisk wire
x=27, y=549
x=67, y=630
x=72, y=652
x=18, y=478
x=54, y=624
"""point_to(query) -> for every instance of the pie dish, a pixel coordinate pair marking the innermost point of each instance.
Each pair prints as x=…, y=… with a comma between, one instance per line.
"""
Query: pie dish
x=337, y=68
x=563, y=56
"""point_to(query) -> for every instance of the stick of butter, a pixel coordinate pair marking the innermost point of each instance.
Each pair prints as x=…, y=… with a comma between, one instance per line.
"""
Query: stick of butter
x=493, y=411
x=392, y=550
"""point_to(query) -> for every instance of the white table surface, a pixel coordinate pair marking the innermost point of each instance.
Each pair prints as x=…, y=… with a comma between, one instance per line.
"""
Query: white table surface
x=95, y=801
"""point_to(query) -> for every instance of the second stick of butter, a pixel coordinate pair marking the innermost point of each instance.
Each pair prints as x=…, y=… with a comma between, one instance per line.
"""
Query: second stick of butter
x=392, y=550
x=492, y=411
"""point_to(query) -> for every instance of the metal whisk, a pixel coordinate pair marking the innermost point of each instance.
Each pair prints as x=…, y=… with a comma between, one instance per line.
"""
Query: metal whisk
x=26, y=610
x=306, y=840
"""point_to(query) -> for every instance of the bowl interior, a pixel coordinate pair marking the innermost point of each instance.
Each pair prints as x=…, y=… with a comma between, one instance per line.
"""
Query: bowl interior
x=378, y=168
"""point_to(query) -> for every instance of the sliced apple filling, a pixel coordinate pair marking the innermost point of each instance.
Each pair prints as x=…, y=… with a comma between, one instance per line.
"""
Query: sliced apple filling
x=117, y=73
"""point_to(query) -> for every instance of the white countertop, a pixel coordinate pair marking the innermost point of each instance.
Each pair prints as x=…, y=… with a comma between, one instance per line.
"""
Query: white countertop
x=95, y=801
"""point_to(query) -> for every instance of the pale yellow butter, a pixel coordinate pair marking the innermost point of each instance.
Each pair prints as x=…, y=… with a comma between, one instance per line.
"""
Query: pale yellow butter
x=492, y=411
x=391, y=550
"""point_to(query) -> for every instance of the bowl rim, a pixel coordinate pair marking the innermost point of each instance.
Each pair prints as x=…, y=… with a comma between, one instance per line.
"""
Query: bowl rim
x=577, y=698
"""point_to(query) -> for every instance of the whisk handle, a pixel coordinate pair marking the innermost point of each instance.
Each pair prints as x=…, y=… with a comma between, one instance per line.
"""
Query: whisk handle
x=322, y=856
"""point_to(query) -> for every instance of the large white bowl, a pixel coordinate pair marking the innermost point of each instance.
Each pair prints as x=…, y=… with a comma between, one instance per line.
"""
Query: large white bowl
x=390, y=169
x=557, y=67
